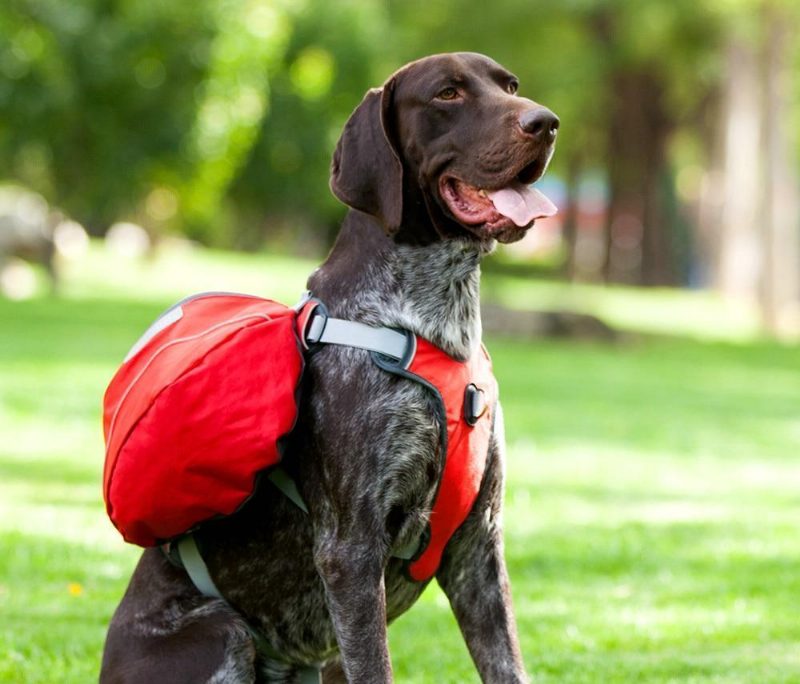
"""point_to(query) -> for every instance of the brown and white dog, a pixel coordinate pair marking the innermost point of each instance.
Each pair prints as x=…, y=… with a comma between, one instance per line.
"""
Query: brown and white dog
x=435, y=167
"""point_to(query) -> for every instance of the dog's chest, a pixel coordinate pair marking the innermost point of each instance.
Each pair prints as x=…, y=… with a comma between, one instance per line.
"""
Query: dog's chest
x=424, y=446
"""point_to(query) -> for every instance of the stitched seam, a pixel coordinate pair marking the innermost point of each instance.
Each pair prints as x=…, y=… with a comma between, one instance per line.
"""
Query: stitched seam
x=166, y=346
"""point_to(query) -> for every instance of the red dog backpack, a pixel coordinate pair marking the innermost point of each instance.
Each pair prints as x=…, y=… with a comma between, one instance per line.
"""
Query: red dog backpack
x=202, y=403
x=195, y=413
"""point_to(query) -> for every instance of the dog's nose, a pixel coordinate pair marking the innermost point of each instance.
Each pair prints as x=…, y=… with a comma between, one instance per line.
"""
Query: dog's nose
x=541, y=123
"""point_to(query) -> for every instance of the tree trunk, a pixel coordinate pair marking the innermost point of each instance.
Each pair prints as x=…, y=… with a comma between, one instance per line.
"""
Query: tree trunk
x=779, y=289
x=638, y=245
x=751, y=207
x=570, y=226
x=738, y=264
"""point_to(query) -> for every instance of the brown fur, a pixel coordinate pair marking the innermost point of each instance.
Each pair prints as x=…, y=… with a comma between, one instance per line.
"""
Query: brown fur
x=366, y=455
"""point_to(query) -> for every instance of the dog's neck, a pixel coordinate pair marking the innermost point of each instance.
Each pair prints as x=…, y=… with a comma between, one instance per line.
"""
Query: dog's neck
x=431, y=290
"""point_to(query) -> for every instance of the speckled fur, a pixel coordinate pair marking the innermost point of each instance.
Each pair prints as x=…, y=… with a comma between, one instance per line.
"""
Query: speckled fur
x=366, y=452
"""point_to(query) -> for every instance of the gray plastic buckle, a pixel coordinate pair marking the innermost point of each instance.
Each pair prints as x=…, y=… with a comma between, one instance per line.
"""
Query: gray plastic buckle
x=316, y=327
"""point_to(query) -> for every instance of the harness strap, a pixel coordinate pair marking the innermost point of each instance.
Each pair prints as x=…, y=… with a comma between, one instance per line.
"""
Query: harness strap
x=189, y=556
x=196, y=567
x=325, y=330
x=315, y=326
x=283, y=481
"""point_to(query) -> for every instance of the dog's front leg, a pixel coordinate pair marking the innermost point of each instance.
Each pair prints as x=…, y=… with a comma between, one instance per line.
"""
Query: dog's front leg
x=352, y=572
x=474, y=578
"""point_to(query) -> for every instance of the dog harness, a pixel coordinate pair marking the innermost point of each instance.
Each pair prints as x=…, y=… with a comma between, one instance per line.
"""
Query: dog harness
x=204, y=400
x=466, y=400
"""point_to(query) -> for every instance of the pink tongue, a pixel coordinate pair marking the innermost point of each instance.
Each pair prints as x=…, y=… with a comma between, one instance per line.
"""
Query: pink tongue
x=522, y=203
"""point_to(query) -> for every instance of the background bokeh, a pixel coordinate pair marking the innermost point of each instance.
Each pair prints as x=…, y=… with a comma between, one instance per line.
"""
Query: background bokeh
x=677, y=163
x=645, y=338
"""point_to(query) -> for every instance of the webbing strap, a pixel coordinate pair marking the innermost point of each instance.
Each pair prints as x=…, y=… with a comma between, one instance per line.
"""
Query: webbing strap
x=283, y=481
x=326, y=330
x=197, y=570
x=196, y=567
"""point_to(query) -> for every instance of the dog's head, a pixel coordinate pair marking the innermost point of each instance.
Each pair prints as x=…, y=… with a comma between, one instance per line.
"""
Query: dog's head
x=448, y=143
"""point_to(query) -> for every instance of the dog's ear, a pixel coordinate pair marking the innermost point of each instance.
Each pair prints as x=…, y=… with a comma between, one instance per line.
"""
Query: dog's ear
x=366, y=173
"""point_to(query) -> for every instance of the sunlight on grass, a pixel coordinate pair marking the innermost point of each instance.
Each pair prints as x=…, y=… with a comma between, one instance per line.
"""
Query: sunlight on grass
x=180, y=269
x=651, y=507
x=698, y=314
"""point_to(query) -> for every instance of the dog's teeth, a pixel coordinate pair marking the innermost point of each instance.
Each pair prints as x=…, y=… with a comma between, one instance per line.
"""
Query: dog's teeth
x=482, y=192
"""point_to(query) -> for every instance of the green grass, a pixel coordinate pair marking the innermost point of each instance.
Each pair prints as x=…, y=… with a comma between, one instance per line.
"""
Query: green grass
x=652, y=503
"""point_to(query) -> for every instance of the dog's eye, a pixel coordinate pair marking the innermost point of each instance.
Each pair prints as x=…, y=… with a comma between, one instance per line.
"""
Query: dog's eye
x=512, y=87
x=448, y=93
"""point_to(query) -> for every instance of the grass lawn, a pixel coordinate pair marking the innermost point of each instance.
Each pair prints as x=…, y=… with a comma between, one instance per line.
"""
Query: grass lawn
x=653, y=486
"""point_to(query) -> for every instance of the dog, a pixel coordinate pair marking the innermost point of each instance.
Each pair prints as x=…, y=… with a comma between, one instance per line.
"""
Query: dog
x=435, y=168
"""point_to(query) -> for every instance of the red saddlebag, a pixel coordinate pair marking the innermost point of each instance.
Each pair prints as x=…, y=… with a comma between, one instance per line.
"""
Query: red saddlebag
x=197, y=410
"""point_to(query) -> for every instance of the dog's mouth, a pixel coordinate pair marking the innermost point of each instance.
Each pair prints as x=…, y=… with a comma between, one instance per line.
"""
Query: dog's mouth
x=516, y=202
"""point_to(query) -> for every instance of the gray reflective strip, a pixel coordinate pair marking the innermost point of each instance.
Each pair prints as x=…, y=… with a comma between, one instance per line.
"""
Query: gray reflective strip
x=196, y=567
x=174, y=314
x=352, y=334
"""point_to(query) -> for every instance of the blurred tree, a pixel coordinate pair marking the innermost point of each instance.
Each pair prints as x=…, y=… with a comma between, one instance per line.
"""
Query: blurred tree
x=95, y=99
x=751, y=210
x=660, y=58
x=250, y=41
x=218, y=118
x=779, y=289
x=335, y=52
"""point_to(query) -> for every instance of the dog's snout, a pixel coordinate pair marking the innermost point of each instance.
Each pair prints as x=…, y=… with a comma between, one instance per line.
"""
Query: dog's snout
x=540, y=123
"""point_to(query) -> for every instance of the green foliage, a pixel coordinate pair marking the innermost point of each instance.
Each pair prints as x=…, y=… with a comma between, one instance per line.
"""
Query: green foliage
x=219, y=118
x=95, y=97
x=650, y=508
x=334, y=55
x=152, y=111
x=250, y=37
